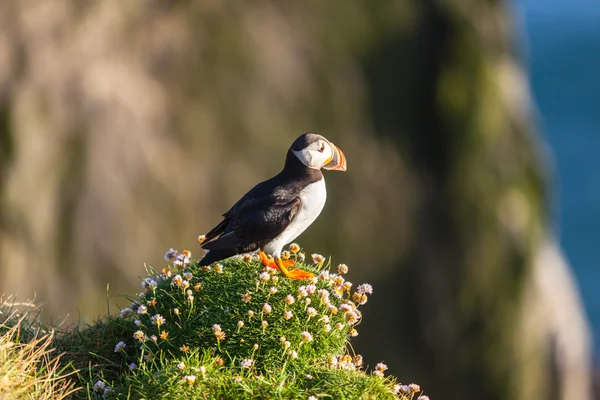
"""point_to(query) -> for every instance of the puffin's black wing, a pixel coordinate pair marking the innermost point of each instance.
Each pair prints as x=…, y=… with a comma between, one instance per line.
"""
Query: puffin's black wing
x=251, y=223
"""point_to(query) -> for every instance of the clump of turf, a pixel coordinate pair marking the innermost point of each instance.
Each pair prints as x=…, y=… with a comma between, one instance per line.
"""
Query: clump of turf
x=231, y=330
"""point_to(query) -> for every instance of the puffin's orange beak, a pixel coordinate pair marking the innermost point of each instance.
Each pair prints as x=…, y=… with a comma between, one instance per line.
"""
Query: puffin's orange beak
x=338, y=161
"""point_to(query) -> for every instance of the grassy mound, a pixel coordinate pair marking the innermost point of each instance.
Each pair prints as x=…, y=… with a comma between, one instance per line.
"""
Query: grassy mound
x=232, y=330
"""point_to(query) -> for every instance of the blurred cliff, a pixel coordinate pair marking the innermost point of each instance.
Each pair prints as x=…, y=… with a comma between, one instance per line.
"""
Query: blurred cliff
x=127, y=127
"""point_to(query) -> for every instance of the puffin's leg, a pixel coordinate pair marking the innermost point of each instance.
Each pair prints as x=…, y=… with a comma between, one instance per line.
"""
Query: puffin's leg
x=269, y=263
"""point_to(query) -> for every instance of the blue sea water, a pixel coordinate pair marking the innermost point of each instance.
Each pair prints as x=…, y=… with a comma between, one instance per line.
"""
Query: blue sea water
x=562, y=42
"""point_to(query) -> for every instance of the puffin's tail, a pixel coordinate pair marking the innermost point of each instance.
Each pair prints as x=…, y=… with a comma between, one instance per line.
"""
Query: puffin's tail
x=216, y=255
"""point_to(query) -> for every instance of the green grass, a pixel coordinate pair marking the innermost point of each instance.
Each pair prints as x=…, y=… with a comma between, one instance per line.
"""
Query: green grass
x=189, y=334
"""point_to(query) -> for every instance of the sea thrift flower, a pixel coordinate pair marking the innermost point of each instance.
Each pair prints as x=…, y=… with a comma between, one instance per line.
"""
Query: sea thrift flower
x=286, y=345
x=310, y=289
x=307, y=301
x=255, y=347
x=139, y=335
x=125, y=312
x=324, y=319
x=219, y=268
x=324, y=294
x=186, y=253
x=294, y=248
x=306, y=336
x=274, y=279
x=137, y=322
x=359, y=298
x=318, y=259
x=120, y=347
x=188, y=276
x=285, y=255
x=181, y=366
x=342, y=269
x=170, y=254
x=176, y=311
x=201, y=238
x=149, y=283
x=302, y=292
x=99, y=387
x=381, y=367
x=247, y=258
x=353, y=332
x=264, y=324
x=309, y=376
x=176, y=281
x=247, y=363
x=273, y=290
x=347, y=286
x=266, y=308
x=311, y=397
x=332, y=309
x=282, y=339
x=158, y=320
x=189, y=379
x=132, y=366
x=311, y=312
x=142, y=309
x=288, y=315
x=414, y=387
x=378, y=373
x=423, y=398
x=190, y=299
x=327, y=327
x=365, y=288
x=289, y=299
x=358, y=360
x=240, y=324
x=293, y=354
x=250, y=313
x=197, y=286
x=339, y=326
x=264, y=276
x=184, y=348
x=154, y=338
x=300, y=256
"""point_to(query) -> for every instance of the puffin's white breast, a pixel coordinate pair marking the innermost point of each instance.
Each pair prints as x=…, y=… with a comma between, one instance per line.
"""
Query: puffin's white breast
x=312, y=199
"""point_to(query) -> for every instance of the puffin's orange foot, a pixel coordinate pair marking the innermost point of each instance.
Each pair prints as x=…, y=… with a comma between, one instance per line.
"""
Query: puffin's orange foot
x=299, y=274
x=266, y=261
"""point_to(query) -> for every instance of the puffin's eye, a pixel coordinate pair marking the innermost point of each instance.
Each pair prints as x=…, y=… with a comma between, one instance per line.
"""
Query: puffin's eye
x=322, y=149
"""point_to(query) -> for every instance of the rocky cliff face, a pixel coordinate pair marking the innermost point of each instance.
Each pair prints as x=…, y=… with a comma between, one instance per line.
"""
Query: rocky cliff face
x=128, y=127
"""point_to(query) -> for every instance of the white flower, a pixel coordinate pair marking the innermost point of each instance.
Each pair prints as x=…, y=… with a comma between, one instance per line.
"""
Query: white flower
x=342, y=269
x=170, y=254
x=120, y=347
x=302, y=292
x=142, y=309
x=414, y=387
x=250, y=313
x=216, y=328
x=264, y=276
x=137, y=322
x=219, y=268
x=324, y=275
x=318, y=259
x=339, y=326
x=176, y=281
x=240, y=324
x=310, y=397
x=311, y=312
x=158, y=320
x=381, y=367
x=293, y=354
x=181, y=366
x=139, y=335
x=273, y=290
x=153, y=338
x=190, y=379
x=310, y=289
x=286, y=344
x=365, y=288
x=176, y=311
x=149, y=283
x=266, y=308
x=99, y=387
x=306, y=336
x=264, y=324
x=188, y=276
x=288, y=315
x=247, y=363
x=289, y=299
x=327, y=327
x=125, y=312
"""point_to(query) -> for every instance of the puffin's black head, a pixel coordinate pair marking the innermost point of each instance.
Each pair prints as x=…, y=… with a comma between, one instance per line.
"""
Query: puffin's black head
x=316, y=152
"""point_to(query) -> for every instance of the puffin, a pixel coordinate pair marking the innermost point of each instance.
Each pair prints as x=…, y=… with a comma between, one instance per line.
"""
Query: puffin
x=275, y=212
